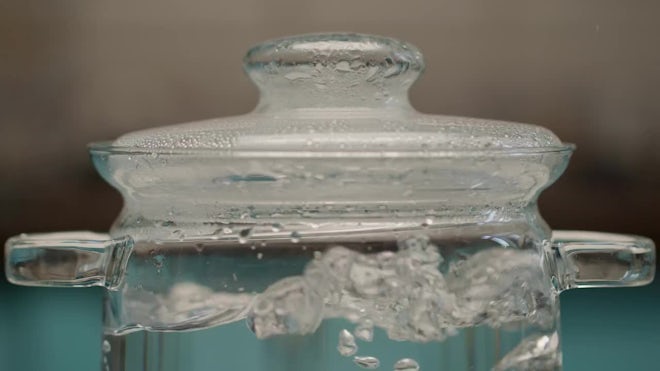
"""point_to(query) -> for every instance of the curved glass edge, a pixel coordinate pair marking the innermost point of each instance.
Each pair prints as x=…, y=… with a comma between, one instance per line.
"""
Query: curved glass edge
x=586, y=259
x=107, y=148
x=366, y=44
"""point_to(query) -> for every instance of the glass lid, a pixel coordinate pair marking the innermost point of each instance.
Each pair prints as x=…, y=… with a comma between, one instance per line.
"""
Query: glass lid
x=337, y=94
x=333, y=137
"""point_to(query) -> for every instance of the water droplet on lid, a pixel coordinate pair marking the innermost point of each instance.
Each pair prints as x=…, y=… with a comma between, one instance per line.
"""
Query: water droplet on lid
x=357, y=64
x=427, y=222
x=178, y=234
x=346, y=345
x=367, y=362
x=226, y=230
x=295, y=236
x=371, y=74
x=406, y=364
x=343, y=66
x=276, y=227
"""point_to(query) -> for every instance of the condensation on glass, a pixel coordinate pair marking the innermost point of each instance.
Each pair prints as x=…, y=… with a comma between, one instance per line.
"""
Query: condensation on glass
x=332, y=228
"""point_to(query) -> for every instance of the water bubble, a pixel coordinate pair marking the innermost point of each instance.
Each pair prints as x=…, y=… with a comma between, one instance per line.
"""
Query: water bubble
x=260, y=256
x=159, y=260
x=406, y=364
x=106, y=346
x=346, y=345
x=289, y=306
x=533, y=353
x=427, y=222
x=367, y=362
x=365, y=331
x=295, y=236
x=369, y=277
x=244, y=235
x=199, y=247
x=343, y=66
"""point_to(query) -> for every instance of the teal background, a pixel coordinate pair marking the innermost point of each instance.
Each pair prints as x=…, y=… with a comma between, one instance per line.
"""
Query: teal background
x=60, y=329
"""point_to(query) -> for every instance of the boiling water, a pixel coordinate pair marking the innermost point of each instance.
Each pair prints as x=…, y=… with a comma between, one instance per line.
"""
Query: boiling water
x=410, y=301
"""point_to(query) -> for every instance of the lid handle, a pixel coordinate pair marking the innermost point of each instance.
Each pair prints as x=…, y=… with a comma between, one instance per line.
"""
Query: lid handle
x=597, y=259
x=67, y=259
x=333, y=71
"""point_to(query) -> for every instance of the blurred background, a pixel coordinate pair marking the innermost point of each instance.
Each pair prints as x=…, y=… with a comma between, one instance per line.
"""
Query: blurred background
x=80, y=71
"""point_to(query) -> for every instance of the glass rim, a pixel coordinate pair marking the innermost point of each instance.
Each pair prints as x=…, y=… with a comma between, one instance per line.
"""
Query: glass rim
x=108, y=148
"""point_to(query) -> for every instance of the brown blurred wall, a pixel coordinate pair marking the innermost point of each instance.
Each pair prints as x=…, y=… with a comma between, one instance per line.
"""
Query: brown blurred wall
x=80, y=71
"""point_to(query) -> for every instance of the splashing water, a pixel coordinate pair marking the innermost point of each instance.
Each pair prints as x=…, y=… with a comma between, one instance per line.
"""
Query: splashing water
x=404, y=293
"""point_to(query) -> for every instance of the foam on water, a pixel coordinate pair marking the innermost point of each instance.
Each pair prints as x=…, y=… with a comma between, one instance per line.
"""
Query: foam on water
x=289, y=306
x=405, y=293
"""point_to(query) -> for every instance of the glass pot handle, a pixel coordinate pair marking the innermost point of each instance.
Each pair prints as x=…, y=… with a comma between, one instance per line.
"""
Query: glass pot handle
x=595, y=259
x=67, y=259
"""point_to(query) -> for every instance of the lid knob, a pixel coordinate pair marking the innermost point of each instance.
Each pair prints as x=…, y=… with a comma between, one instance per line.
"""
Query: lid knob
x=333, y=71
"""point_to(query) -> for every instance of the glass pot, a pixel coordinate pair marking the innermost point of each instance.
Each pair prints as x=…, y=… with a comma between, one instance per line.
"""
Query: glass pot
x=333, y=228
